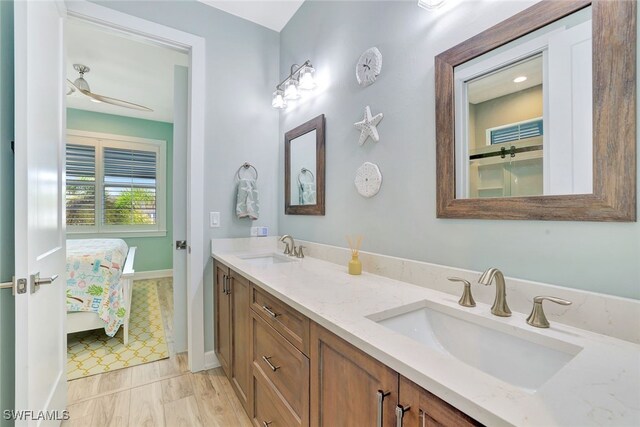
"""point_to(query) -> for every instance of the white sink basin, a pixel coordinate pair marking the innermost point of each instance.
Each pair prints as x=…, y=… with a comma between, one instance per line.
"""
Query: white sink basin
x=516, y=356
x=267, y=259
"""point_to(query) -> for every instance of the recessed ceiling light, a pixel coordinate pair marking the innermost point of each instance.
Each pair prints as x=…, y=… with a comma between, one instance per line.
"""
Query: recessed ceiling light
x=520, y=79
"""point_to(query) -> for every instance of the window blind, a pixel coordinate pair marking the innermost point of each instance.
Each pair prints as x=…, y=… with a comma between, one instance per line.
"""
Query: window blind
x=516, y=132
x=129, y=187
x=81, y=184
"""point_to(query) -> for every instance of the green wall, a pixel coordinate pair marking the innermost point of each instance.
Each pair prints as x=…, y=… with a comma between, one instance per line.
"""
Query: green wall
x=154, y=253
x=7, y=310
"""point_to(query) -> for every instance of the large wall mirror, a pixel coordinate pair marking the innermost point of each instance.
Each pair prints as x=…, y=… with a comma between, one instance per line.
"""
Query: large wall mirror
x=304, y=168
x=536, y=116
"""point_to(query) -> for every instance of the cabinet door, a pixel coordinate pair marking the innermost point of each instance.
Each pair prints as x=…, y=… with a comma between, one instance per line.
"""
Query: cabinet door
x=348, y=387
x=423, y=409
x=241, y=338
x=222, y=318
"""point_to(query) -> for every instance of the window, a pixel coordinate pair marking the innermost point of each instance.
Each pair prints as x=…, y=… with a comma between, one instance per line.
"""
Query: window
x=515, y=132
x=115, y=185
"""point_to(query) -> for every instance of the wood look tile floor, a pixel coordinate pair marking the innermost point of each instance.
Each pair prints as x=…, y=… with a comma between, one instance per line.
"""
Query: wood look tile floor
x=156, y=394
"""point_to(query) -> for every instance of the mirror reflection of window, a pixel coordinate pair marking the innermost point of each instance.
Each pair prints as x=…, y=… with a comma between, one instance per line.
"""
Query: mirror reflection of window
x=303, y=169
x=524, y=115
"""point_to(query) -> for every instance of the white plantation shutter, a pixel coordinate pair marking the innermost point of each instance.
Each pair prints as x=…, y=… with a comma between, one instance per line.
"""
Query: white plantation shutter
x=116, y=186
x=81, y=185
x=129, y=186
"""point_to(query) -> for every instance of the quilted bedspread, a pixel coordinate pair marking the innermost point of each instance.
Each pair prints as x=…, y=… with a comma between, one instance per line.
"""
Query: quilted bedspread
x=94, y=267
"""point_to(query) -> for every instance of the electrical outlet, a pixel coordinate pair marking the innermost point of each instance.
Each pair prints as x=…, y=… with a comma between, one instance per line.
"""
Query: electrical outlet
x=254, y=232
x=214, y=219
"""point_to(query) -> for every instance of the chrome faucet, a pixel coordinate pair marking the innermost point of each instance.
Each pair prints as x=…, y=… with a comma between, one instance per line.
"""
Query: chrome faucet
x=289, y=249
x=500, y=307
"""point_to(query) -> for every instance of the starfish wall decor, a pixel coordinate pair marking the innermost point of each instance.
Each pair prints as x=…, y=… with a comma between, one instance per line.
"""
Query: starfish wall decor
x=368, y=126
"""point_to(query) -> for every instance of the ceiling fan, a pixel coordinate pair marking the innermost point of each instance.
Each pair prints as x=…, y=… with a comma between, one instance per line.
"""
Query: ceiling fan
x=82, y=86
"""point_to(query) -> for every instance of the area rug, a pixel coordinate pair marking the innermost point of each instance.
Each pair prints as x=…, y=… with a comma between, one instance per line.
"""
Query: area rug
x=93, y=352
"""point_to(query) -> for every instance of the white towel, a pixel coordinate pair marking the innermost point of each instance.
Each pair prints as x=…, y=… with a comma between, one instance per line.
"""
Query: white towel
x=247, y=200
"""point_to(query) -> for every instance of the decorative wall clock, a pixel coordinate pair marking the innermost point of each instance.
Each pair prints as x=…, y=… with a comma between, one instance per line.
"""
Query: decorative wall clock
x=369, y=66
x=368, y=179
x=368, y=126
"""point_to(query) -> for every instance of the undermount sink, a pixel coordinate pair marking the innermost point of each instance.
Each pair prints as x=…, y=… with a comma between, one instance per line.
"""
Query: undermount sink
x=526, y=361
x=267, y=259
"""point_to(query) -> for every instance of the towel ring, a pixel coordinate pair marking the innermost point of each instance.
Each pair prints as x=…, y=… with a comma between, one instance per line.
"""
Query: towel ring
x=246, y=166
x=305, y=170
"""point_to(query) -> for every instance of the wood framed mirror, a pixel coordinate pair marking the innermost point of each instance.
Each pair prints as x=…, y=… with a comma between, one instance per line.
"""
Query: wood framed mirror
x=304, y=168
x=550, y=164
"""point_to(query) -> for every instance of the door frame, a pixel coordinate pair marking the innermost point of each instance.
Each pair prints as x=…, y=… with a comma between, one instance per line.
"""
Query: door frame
x=194, y=46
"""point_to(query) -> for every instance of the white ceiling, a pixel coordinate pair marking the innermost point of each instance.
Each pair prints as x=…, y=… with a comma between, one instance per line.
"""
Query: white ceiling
x=500, y=83
x=123, y=67
x=273, y=14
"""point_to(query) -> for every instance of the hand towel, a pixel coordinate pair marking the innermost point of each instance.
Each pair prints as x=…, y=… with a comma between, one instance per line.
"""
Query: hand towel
x=247, y=205
x=307, y=193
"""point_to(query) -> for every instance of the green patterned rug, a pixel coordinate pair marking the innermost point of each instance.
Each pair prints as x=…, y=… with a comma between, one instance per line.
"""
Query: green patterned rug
x=93, y=352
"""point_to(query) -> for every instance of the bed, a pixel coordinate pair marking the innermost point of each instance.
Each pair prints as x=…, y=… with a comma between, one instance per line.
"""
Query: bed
x=99, y=285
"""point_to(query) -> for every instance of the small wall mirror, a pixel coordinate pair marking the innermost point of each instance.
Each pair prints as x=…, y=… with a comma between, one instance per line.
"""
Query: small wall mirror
x=304, y=168
x=535, y=116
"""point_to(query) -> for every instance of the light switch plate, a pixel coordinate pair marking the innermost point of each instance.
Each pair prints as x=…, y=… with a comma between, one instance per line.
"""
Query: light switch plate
x=214, y=219
x=254, y=232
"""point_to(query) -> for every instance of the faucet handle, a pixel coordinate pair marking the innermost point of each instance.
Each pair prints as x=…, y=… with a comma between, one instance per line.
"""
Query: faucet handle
x=287, y=248
x=299, y=252
x=537, y=317
x=466, y=300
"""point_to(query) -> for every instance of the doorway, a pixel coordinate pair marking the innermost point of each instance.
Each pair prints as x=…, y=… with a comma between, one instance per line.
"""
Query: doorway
x=127, y=114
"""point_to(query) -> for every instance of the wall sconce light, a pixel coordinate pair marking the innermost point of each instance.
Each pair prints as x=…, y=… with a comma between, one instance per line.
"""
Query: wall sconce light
x=301, y=77
x=430, y=4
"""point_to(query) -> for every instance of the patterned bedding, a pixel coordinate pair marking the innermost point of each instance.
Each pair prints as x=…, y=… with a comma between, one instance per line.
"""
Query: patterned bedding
x=94, y=267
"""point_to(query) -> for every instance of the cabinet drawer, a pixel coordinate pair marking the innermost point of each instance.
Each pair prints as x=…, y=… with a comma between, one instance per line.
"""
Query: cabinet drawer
x=291, y=324
x=268, y=408
x=285, y=367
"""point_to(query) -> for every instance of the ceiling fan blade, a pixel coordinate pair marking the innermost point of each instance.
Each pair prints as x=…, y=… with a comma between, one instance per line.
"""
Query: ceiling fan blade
x=114, y=101
x=71, y=87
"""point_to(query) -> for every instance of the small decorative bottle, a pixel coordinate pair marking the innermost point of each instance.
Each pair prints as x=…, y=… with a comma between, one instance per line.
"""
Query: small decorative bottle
x=355, y=266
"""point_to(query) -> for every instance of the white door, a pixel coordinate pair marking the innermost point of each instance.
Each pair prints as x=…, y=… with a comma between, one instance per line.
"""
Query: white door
x=39, y=211
x=180, y=167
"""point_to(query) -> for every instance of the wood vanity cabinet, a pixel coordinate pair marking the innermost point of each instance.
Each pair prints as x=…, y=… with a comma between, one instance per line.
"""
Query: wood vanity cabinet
x=291, y=372
x=222, y=327
x=351, y=388
x=422, y=408
x=348, y=387
x=240, y=289
x=232, y=338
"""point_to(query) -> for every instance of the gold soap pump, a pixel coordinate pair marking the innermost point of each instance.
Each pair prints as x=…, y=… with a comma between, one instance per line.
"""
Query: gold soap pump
x=355, y=266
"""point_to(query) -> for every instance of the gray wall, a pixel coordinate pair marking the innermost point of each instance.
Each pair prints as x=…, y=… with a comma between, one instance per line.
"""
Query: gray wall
x=241, y=125
x=401, y=219
x=7, y=334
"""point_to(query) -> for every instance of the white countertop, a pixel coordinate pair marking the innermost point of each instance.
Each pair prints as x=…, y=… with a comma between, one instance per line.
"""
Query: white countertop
x=599, y=386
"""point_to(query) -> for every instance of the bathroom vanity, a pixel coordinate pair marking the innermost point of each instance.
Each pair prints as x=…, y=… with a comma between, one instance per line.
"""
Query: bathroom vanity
x=304, y=343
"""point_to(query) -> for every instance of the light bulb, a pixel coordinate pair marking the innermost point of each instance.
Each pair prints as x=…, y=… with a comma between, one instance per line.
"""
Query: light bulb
x=291, y=90
x=520, y=79
x=278, y=101
x=307, y=81
x=430, y=4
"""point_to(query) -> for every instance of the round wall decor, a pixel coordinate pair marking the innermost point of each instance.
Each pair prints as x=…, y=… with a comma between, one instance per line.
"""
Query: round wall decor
x=369, y=66
x=368, y=179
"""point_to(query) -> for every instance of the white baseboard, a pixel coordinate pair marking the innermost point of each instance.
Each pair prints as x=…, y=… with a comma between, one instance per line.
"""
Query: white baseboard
x=154, y=274
x=210, y=360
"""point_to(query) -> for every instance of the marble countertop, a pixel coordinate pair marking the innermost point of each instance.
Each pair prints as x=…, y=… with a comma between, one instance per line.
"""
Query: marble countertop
x=599, y=386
